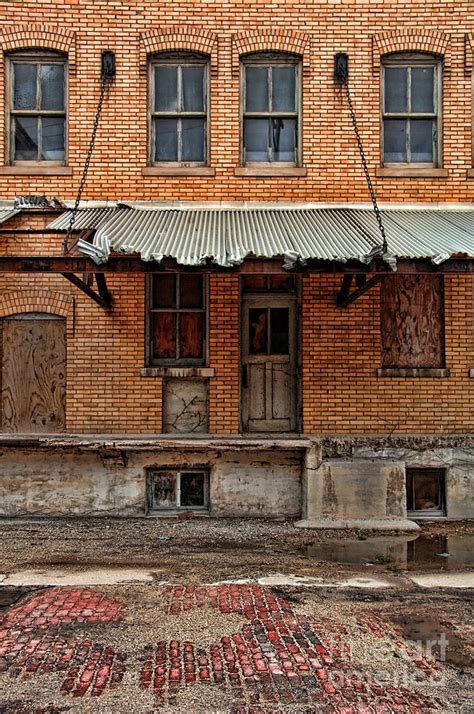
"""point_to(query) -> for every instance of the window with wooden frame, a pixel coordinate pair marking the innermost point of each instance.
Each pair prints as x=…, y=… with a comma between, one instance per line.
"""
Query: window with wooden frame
x=412, y=321
x=37, y=99
x=411, y=110
x=271, y=109
x=177, y=317
x=179, y=111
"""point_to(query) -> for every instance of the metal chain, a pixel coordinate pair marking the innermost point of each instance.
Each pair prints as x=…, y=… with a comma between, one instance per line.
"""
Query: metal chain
x=378, y=216
x=104, y=84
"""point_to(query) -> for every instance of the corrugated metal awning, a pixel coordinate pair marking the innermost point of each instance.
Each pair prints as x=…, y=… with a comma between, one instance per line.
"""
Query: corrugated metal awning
x=226, y=236
x=6, y=213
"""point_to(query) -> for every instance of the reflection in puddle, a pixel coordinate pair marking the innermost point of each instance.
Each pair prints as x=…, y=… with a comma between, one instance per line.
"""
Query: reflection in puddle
x=408, y=552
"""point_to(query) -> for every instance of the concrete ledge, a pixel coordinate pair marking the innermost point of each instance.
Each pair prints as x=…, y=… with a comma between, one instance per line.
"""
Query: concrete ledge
x=371, y=524
x=413, y=372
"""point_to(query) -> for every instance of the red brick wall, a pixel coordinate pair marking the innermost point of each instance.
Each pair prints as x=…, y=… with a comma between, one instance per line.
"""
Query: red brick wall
x=316, y=30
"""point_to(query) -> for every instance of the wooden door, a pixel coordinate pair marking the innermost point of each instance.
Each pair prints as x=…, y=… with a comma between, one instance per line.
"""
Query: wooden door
x=34, y=374
x=268, y=364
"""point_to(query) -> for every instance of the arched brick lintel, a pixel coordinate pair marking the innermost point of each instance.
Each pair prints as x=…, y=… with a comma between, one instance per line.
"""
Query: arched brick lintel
x=292, y=42
x=24, y=37
x=429, y=41
x=179, y=39
x=14, y=302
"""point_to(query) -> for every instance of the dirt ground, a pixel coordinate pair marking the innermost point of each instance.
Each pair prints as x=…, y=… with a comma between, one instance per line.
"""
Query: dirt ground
x=204, y=636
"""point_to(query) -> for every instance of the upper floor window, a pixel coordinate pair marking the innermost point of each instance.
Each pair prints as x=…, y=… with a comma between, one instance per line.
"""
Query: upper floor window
x=179, y=109
x=177, y=319
x=271, y=113
x=411, y=110
x=37, y=107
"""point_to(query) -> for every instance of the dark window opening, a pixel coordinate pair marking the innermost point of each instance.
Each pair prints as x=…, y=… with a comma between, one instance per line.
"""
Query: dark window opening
x=177, y=490
x=177, y=319
x=269, y=331
x=275, y=283
x=425, y=492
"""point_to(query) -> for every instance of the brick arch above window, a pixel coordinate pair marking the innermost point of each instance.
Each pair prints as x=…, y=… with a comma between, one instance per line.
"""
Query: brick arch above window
x=268, y=40
x=411, y=40
x=178, y=39
x=26, y=37
x=52, y=302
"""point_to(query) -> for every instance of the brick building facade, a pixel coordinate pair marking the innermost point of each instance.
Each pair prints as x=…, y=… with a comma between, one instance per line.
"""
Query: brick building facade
x=352, y=433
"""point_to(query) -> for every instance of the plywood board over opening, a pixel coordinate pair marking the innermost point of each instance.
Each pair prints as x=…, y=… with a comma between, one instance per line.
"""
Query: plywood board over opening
x=34, y=374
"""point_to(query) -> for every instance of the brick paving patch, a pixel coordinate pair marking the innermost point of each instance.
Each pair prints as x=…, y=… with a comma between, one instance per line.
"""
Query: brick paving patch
x=277, y=658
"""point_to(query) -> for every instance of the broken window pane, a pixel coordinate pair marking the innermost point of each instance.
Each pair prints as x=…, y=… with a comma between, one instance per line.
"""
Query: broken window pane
x=284, y=139
x=26, y=139
x=164, y=335
x=279, y=331
x=52, y=87
x=256, y=139
x=258, y=331
x=24, y=86
x=166, y=88
x=164, y=290
x=191, y=335
x=191, y=291
x=193, y=490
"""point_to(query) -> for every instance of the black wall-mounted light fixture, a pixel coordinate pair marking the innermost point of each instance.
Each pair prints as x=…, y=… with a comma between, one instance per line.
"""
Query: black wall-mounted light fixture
x=341, y=67
x=108, y=64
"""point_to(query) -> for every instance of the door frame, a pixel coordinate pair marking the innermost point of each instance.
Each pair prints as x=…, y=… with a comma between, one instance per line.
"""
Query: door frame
x=296, y=296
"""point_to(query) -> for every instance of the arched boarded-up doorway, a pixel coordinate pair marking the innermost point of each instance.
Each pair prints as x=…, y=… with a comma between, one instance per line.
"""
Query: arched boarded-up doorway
x=34, y=373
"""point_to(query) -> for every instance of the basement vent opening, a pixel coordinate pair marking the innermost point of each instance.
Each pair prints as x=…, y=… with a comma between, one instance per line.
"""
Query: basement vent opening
x=169, y=492
x=425, y=493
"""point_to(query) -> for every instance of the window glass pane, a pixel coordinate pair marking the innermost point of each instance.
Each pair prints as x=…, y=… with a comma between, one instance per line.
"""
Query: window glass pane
x=164, y=290
x=52, y=86
x=166, y=139
x=254, y=282
x=24, y=86
x=164, y=490
x=256, y=139
x=427, y=491
x=258, y=331
x=26, y=138
x=52, y=138
x=191, y=335
x=395, y=140
x=191, y=291
x=256, y=89
x=422, y=89
x=192, y=137
x=164, y=335
x=193, y=88
x=283, y=89
x=284, y=139
x=279, y=331
x=166, y=88
x=396, y=92
x=282, y=282
x=421, y=140
x=192, y=489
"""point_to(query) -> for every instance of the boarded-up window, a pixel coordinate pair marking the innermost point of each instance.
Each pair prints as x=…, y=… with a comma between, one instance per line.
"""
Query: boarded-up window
x=177, y=313
x=412, y=321
x=34, y=374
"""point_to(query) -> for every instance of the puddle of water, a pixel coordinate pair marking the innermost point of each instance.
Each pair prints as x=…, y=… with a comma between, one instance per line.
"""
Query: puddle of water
x=430, y=636
x=409, y=552
x=9, y=596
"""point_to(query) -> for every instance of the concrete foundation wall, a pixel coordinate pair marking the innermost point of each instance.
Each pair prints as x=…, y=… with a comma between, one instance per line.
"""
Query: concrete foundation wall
x=34, y=482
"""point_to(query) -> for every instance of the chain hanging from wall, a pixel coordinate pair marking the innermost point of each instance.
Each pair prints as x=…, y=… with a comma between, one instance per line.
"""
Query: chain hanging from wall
x=341, y=74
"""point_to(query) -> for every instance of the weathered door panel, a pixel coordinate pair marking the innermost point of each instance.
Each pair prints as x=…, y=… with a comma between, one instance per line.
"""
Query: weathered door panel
x=268, y=364
x=34, y=375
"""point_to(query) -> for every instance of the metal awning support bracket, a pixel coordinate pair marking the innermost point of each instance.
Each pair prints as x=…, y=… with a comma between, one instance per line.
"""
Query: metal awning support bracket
x=102, y=298
x=345, y=297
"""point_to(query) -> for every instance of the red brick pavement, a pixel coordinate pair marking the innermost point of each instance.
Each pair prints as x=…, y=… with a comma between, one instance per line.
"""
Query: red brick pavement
x=277, y=658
